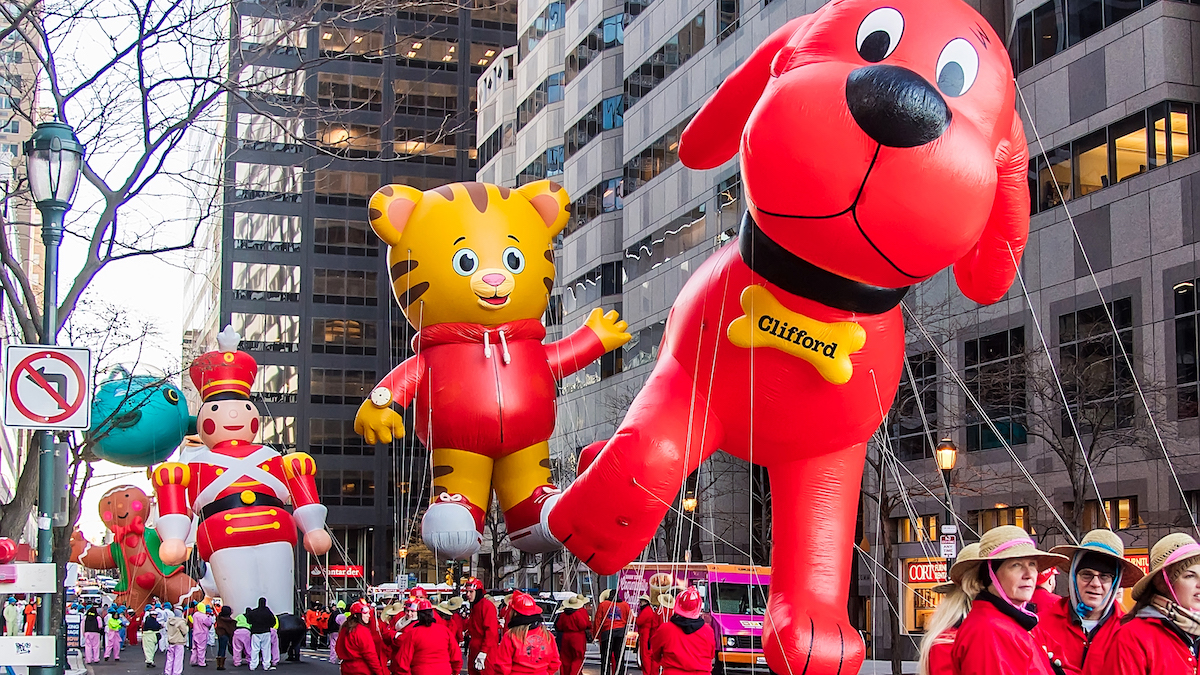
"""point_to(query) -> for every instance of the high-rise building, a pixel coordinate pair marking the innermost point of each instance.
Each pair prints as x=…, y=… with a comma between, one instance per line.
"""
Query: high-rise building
x=337, y=100
x=1072, y=402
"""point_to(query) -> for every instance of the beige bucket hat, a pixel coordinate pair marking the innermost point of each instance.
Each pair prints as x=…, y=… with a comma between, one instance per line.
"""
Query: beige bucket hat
x=1104, y=542
x=1169, y=550
x=1005, y=542
x=444, y=607
x=574, y=602
x=454, y=603
x=666, y=601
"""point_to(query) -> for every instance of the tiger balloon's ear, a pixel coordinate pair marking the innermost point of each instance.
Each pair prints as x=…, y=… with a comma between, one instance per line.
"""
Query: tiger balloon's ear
x=390, y=208
x=551, y=202
x=986, y=272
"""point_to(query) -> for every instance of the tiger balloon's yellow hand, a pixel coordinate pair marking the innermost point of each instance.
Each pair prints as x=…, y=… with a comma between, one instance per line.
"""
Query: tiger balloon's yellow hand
x=376, y=424
x=609, y=328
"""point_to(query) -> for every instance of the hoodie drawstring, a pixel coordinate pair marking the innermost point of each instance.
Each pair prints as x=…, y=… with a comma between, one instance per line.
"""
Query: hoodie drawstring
x=487, y=346
x=504, y=347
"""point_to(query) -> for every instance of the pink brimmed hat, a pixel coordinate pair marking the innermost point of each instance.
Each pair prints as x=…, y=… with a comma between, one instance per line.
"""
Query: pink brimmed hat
x=1173, y=548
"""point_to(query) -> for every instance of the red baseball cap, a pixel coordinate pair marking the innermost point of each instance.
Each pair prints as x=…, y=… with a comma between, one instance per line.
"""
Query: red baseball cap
x=523, y=603
x=473, y=583
x=1046, y=575
x=689, y=603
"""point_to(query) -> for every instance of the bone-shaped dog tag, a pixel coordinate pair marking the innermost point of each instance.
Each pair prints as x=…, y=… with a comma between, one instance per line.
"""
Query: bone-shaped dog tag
x=767, y=323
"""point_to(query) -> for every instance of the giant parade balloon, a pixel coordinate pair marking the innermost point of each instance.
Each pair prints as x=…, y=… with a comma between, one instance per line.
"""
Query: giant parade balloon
x=137, y=419
x=239, y=491
x=879, y=144
x=472, y=266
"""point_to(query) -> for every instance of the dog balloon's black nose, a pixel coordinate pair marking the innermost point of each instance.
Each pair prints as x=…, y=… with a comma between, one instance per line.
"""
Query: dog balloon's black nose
x=895, y=106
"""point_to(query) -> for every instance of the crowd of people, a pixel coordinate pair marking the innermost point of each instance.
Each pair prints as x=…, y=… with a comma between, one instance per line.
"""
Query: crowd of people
x=18, y=616
x=999, y=614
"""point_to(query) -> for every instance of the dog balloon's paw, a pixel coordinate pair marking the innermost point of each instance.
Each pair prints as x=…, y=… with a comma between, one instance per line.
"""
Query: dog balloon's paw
x=812, y=640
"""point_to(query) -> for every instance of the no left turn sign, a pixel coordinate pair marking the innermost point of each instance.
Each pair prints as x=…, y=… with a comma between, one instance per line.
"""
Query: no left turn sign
x=47, y=387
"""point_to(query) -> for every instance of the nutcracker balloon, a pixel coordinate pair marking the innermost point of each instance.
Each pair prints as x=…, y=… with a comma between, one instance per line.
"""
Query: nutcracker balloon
x=134, y=552
x=239, y=490
x=879, y=144
x=472, y=266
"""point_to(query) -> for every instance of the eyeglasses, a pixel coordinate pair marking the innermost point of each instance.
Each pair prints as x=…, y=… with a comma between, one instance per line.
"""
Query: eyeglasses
x=1086, y=577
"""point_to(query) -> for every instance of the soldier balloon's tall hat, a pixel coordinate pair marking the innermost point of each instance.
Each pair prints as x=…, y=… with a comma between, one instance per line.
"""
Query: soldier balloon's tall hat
x=226, y=373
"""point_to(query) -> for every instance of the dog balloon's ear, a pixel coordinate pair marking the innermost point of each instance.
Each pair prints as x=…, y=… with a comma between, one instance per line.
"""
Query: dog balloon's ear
x=987, y=271
x=713, y=135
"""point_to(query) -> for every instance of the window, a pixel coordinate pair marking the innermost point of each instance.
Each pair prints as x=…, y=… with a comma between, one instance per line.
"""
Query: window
x=264, y=281
x=275, y=384
x=343, y=336
x=427, y=53
x=635, y=7
x=495, y=16
x=643, y=346
x=1090, y=160
x=1187, y=320
x=268, y=182
x=499, y=139
x=607, y=196
x=349, y=92
x=359, y=141
x=1129, y=147
x=268, y=332
x=915, y=409
x=345, y=188
x=551, y=18
x=550, y=90
x=266, y=232
x=274, y=85
x=337, y=386
x=609, y=364
x=656, y=158
x=924, y=529
x=728, y=18
x=281, y=35
x=1056, y=25
x=426, y=146
x=335, y=437
x=482, y=55
x=345, y=287
x=351, y=43
x=554, y=311
x=607, y=114
x=681, y=47
x=279, y=433
x=986, y=519
x=269, y=133
x=347, y=488
x=549, y=165
x=334, y=236
x=1095, y=374
x=588, y=288
x=668, y=241
x=1119, y=514
x=608, y=33
x=995, y=375
x=421, y=98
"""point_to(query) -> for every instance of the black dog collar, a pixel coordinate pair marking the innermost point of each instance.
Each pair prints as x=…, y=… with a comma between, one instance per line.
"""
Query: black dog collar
x=799, y=277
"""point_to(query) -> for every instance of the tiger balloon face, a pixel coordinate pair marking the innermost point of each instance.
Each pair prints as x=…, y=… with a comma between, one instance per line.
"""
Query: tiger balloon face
x=470, y=252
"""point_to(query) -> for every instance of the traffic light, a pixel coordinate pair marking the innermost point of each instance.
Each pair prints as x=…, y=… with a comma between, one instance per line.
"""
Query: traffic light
x=450, y=575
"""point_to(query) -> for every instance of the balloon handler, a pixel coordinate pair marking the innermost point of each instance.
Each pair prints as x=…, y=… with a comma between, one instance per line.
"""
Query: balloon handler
x=239, y=490
x=472, y=266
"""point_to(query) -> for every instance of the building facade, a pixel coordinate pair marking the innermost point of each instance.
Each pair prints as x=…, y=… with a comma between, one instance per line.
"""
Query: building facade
x=336, y=100
x=1073, y=402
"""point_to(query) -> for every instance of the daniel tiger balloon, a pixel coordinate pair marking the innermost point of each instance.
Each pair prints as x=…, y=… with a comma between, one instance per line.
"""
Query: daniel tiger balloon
x=472, y=266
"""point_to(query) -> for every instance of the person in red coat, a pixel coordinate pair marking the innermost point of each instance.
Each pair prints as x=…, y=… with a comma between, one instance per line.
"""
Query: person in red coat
x=1044, y=595
x=1161, y=634
x=942, y=627
x=572, y=626
x=358, y=644
x=608, y=628
x=995, y=637
x=1078, y=630
x=527, y=648
x=482, y=626
x=426, y=646
x=647, y=620
x=685, y=645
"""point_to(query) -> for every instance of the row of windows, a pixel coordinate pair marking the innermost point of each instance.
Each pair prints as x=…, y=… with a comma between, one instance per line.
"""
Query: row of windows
x=1056, y=25
x=729, y=14
x=605, y=197
x=668, y=241
x=335, y=386
x=503, y=137
x=550, y=90
x=606, y=115
x=642, y=347
x=1157, y=136
x=546, y=165
x=346, y=488
x=278, y=182
x=280, y=233
x=281, y=283
x=607, y=34
x=552, y=18
x=335, y=437
x=344, y=336
x=364, y=92
x=656, y=158
x=345, y=287
x=608, y=365
x=673, y=54
x=1118, y=513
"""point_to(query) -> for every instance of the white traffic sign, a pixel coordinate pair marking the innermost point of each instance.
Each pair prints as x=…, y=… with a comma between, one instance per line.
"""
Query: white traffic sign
x=34, y=650
x=47, y=387
x=949, y=546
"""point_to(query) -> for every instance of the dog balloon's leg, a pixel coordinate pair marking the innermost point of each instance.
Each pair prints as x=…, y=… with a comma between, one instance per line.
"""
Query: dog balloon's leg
x=611, y=511
x=814, y=505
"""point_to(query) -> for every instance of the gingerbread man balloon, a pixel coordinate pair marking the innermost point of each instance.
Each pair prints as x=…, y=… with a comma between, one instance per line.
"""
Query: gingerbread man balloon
x=879, y=144
x=239, y=490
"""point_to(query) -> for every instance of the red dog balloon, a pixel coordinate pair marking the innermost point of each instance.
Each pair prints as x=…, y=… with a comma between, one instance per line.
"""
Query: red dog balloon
x=879, y=144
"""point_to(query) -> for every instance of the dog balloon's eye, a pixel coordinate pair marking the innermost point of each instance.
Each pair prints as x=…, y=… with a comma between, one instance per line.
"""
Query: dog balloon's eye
x=957, y=67
x=879, y=34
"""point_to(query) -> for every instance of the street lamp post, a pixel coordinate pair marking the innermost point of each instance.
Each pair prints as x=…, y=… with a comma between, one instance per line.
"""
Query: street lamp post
x=54, y=158
x=946, y=454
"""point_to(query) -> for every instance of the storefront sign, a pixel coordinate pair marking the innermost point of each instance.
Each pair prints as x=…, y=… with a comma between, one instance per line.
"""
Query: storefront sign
x=339, y=571
x=927, y=571
x=1142, y=560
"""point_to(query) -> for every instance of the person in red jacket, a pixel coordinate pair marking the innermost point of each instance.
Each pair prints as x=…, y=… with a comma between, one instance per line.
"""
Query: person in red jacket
x=1078, y=630
x=994, y=639
x=1044, y=595
x=942, y=627
x=608, y=628
x=647, y=620
x=1161, y=634
x=572, y=626
x=426, y=646
x=358, y=644
x=483, y=627
x=527, y=648
x=685, y=645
